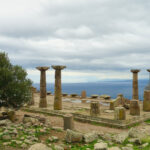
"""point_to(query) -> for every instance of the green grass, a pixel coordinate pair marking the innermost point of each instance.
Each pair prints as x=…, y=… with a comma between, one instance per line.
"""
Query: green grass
x=147, y=121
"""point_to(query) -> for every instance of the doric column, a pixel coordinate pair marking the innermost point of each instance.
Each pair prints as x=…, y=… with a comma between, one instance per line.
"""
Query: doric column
x=43, y=101
x=135, y=94
x=58, y=95
x=83, y=94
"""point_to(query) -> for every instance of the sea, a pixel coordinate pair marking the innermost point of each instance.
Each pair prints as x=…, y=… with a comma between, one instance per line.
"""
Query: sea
x=110, y=87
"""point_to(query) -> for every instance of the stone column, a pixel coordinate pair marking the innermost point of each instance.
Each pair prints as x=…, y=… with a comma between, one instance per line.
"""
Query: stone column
x=146, y=101
x=58, y=94
x=134, y=108
x=120, y=113
x=95, y=108
x=135, y=94
x=68, y=122
x=43, y=101
x=83, y=94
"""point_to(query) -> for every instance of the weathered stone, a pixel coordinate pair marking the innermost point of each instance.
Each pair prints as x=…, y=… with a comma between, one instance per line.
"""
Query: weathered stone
x=43, y=101
x=106, y=137
x=127, y=148
x=64, y=94
x=58, y=94
x=94, y=108
x=136, y=133
x=135, y=84
x=145, y=145
x=120, y=100
x=90, y=137
x=58, y=147
x=106, y=97
x=100, y=146
x=120, y=113
x=112, y=105
x=94, y=96
x=5, y=122
x=146, y=101
x=129, y=145
x=114, y=148
x=24, y=146
x=136, y=141
x=53, y=139
x=6, y=137
x=73, y=95
x=120, y=138
x=73, y=136
x=12, y=115
x=83, y=94
x=39, y=146
x=68, y=122
x=134, y=108
x=30, y=120
x=49, y=92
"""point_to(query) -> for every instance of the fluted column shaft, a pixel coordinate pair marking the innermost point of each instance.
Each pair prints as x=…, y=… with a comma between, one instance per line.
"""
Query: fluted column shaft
x=58, y=92
x=135, y=94
x=43, y=101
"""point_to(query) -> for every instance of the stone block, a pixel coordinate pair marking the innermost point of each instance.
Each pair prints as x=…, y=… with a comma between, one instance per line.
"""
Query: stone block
x=68, y=122
x=94, y=108
x=120, y=113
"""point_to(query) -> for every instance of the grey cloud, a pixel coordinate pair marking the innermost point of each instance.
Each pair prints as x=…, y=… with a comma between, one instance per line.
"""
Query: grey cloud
x=83, y=35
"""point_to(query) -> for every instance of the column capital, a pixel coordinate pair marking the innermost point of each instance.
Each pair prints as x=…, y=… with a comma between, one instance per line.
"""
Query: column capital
x=58, y=67
x=135, y=70
x=44, y=68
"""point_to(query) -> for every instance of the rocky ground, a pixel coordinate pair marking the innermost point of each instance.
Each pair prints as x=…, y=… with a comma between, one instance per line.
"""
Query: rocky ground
x=39, y=132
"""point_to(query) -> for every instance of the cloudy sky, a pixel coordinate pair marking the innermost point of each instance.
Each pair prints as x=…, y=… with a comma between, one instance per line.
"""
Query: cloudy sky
x=95, y=39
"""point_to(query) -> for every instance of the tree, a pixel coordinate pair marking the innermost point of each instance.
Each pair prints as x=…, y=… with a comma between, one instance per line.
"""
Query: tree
x=15, y=87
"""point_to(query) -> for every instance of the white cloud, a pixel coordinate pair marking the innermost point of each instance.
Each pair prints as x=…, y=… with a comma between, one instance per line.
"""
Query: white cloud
x=92, y=38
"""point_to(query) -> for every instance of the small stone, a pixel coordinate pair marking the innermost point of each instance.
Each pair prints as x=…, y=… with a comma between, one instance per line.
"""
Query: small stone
x=24, y=145
x=39, y=146
x=114, y=148
x=57, y=147
x=129, y=145
x=73, y=136
x=145, y=145
x=6, y=143
x=90, y=137
x=6, y=137
x=18, y=142
x=27, y=141
x=120, y=138
x=101, y=146
x=136, y=141
x=55, y=138
x=127, y=148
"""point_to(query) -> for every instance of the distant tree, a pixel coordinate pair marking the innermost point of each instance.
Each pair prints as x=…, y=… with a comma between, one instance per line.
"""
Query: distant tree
x=15, y=88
